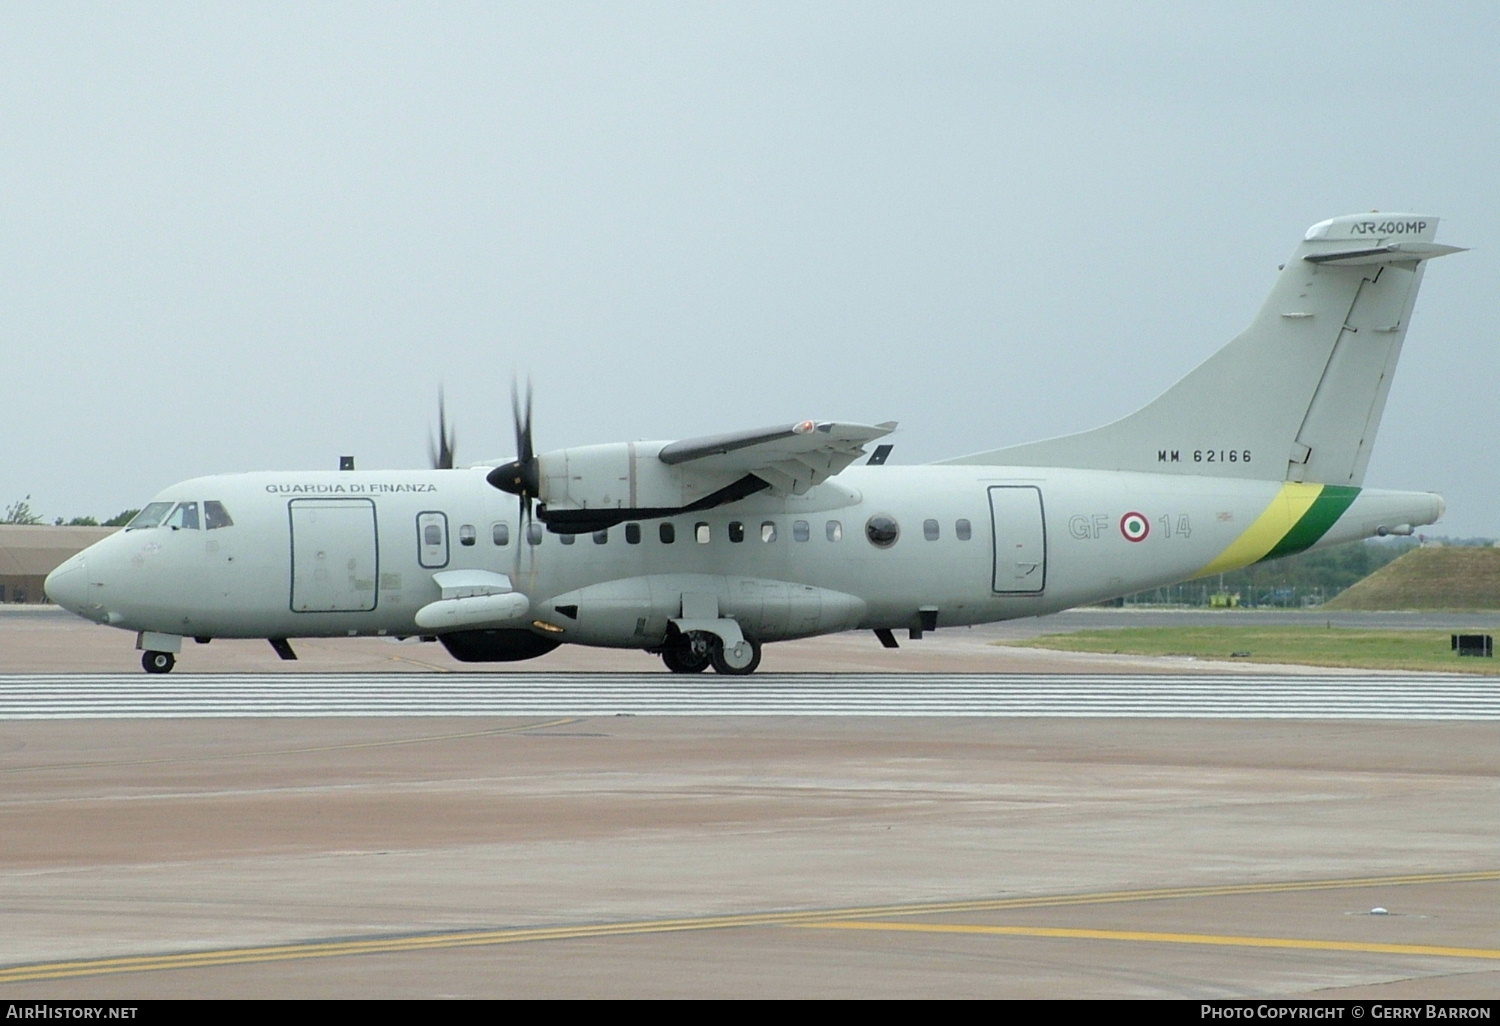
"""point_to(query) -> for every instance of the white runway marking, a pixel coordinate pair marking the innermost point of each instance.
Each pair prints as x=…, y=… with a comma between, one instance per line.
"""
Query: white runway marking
x=1238, y=696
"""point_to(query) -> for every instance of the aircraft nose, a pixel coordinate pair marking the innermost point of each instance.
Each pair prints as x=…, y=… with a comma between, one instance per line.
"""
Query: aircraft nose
x=68, y=585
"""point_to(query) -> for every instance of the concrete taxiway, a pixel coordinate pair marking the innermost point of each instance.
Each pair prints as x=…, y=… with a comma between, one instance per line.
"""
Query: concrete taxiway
x=736, y=855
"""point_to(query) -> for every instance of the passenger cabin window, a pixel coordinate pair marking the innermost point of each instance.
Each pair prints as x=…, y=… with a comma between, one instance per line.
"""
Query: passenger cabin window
x=151, y=516
x=768, y=531
x=736, y=531
x=930, y=530
x=184, y=517
x=801, y=531
x=567, y=539
x=467, y=534
x=701, y=532
x=500, y=534
x=835, y=530
x=962, y=530
x=533, y=533
x=216, y=516
x=667, y=533
x=601, y=537
x=632, y=534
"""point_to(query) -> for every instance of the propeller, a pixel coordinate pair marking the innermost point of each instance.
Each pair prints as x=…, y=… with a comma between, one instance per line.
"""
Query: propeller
x=520, y=477
x=443, y=450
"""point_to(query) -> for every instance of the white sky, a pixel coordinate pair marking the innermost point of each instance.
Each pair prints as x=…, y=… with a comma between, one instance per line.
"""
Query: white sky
x=256, y=236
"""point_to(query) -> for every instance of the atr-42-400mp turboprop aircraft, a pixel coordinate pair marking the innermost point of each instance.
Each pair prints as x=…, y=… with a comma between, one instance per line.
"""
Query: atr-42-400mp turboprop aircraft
x=704, y=550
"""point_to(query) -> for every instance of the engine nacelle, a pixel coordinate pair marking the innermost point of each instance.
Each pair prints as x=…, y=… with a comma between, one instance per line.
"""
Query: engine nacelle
x=593, y=487
x=635, y=612
x=623, y=476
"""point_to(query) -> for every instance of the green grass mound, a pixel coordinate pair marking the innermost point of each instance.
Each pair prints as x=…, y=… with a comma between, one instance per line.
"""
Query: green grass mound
x=1310, y=646
x=1452, y=577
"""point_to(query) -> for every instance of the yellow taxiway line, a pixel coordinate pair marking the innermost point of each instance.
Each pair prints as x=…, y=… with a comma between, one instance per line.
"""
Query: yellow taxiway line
x=835, y=918
x=1212, y=939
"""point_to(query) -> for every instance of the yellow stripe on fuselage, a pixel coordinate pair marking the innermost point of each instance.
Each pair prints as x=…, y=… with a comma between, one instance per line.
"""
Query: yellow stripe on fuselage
x=1289, y=506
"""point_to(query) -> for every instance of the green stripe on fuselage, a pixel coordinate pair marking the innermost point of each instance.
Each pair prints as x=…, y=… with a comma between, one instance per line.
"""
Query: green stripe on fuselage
x=1320, y=516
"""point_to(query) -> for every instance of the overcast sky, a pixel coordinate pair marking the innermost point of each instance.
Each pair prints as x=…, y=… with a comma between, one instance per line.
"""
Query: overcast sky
x=260, y=236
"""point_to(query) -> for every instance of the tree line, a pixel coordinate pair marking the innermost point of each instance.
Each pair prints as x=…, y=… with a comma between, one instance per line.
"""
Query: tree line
x=20, y=512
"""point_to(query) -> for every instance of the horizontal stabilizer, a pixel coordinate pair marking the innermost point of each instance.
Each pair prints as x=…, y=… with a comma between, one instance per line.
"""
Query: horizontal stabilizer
x=1396, y=252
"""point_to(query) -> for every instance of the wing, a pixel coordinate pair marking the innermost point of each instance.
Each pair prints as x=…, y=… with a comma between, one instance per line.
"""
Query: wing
x=592, y=487
x=789, y=459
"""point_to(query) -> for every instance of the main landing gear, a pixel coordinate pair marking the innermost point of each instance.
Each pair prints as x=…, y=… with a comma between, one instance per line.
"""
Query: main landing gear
x=158, y=662
x=695, y=651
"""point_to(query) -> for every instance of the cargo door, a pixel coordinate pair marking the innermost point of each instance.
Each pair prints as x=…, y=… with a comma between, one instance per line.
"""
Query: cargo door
x=335, y=562
x=1020, y=539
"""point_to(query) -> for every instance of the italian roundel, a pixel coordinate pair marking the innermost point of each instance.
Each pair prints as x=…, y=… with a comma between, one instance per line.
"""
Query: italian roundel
x=1134, y=527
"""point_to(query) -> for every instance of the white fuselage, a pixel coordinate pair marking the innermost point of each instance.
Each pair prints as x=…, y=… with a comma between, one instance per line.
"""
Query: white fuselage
x=355, y=553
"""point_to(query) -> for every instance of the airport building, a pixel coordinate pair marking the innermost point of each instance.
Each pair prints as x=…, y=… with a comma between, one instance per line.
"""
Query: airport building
x=29, y=552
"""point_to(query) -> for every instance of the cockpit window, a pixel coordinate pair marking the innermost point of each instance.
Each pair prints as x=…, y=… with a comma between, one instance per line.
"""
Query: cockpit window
x=184, y=517
x=215, y=515
x=151, y=516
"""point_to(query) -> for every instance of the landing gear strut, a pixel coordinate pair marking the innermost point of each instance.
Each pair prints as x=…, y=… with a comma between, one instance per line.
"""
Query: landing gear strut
x=158, y=662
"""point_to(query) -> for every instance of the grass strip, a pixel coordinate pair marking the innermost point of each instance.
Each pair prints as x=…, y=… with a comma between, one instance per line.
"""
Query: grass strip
x=1309, y=646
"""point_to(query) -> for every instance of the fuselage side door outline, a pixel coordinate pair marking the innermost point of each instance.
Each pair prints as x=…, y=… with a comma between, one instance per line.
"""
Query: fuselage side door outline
x=432, y=540
x=1020, y=538
x=335, y=555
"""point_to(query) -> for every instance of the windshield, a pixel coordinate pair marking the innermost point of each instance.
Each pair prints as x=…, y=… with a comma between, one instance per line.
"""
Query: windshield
x=151, y=516
x=184, y=517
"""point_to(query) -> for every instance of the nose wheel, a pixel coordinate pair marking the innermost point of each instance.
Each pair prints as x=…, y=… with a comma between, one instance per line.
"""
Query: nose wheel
x=158, y=662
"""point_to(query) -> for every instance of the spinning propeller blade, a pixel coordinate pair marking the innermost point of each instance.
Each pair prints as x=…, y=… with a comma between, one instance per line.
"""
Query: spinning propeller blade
x=442, y=451
x=520, y=477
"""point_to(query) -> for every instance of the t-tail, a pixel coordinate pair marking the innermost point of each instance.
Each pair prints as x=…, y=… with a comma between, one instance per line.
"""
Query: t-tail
x=1299, y=395
x=1296, y=399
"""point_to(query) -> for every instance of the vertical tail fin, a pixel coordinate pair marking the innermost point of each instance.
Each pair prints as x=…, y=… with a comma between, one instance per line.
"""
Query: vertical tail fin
x=1299, y=395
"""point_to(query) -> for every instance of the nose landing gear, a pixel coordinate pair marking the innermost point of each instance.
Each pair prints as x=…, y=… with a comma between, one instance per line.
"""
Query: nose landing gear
x=158, y=662
x=158, y=651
